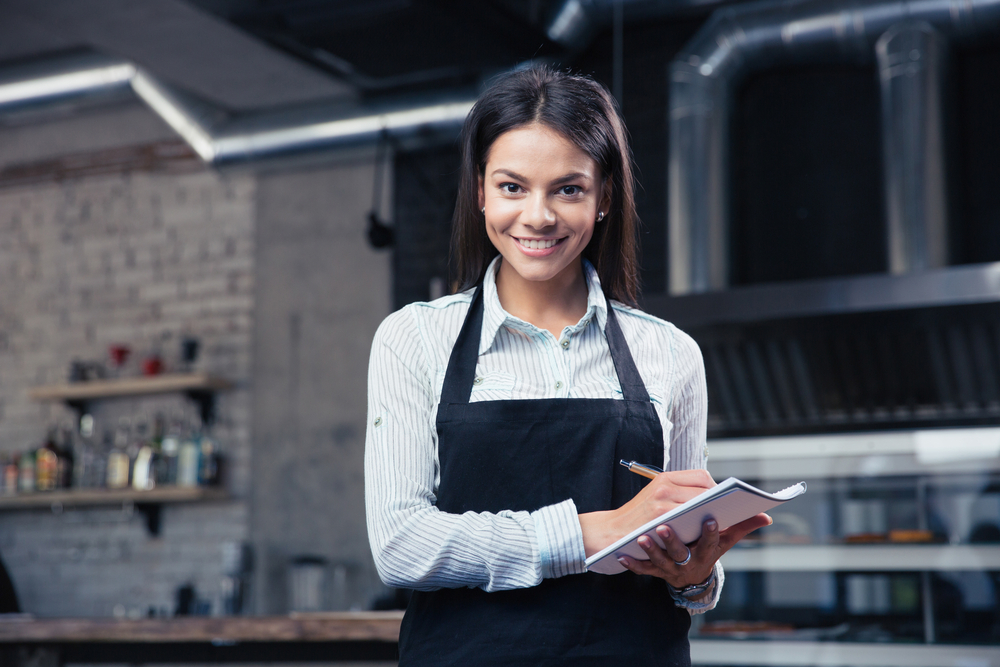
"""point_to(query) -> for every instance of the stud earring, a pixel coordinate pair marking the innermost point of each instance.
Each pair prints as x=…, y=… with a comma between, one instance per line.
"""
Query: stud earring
x=484, y=210
x=600, y=216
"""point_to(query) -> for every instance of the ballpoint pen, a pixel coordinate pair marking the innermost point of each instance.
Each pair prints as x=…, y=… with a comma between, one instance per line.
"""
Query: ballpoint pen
x=641, y=468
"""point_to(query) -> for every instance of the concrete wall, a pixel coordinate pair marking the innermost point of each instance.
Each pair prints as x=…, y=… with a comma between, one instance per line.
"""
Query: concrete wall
x=272, y=271
x=321, y=293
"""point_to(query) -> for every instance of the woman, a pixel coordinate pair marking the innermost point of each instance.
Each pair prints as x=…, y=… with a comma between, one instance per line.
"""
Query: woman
x=498, y=415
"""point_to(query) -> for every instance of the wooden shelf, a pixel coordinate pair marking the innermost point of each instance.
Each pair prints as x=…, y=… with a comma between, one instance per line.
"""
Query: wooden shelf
x=329, y=626
x=862, y=558
x=98, y=497
x=133, y=386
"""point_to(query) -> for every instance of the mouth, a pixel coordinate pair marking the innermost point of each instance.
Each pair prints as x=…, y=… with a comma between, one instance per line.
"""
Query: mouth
x=539, y=244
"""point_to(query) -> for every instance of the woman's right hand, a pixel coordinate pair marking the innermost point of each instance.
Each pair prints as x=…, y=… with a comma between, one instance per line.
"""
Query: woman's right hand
x=663, y=493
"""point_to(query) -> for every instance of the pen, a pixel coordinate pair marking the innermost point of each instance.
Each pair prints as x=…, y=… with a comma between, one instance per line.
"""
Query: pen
x=641, y=468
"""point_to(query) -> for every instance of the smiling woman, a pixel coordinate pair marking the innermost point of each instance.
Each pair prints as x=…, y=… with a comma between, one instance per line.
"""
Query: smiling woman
x=497, y=415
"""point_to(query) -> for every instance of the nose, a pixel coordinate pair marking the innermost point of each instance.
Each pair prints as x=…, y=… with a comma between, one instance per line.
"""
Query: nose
x=538, y=214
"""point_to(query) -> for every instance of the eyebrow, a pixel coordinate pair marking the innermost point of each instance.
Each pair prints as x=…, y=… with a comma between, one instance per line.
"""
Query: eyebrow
x=562, y=179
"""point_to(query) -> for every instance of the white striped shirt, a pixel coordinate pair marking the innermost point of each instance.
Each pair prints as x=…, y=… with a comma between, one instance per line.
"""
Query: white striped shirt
x=417, y=546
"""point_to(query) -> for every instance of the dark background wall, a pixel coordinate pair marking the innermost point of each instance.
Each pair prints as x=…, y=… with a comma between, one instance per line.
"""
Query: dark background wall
x=806, y=169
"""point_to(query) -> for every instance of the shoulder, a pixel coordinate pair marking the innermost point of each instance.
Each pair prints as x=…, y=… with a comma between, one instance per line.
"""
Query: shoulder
x=646, y=329
x=420, y=319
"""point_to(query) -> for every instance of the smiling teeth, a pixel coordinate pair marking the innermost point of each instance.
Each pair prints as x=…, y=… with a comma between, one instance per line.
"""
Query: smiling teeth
x=536, y=245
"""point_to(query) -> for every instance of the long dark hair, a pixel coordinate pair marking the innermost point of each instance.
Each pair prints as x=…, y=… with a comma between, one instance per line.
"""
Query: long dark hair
x=583, y=111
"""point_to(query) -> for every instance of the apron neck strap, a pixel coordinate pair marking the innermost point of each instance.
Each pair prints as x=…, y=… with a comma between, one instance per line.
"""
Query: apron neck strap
x=461, y=371
x=633, y=388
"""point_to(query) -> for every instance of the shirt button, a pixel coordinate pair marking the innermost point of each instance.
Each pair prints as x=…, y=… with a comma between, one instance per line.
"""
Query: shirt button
x=378, y=422
x=565, y=344
x=558, y=384
x=478, y=381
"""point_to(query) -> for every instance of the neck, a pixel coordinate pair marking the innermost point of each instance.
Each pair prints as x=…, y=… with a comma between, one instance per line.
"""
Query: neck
x=552, y=305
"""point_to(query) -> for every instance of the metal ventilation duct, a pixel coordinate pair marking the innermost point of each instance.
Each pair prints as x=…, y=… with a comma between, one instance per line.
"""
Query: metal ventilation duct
x=217, y=137
x=906, y=36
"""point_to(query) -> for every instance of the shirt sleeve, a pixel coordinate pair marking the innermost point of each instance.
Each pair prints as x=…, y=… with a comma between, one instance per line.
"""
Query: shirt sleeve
x=414, y=544
x=688, y=437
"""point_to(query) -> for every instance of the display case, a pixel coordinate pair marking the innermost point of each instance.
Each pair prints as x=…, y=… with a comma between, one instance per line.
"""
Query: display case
x=891, y=558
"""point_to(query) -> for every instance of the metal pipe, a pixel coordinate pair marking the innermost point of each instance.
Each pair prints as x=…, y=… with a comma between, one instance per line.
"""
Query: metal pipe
x=910, y=62
x=220, y=138
x=741, y=39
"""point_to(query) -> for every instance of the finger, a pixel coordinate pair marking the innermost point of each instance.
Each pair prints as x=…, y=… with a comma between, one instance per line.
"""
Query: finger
x=657, y=556
x=730, y=536
x=708, y=544
x=640, y=566
x=672, y=545
x=697, y=478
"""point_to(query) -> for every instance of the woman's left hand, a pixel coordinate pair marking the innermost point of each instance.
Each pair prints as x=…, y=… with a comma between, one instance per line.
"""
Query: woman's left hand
x=705, y=552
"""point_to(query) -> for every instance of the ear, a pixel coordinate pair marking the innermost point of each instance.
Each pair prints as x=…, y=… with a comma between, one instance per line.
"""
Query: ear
x=482, y=192
x=605, y=203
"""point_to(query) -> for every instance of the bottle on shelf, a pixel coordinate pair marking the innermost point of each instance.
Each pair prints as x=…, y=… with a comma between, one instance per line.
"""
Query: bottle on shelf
x=8, y=465
x=118, y=459
x=84, y=454
x=64, y=457
x=169, y=451
x=209, y=467
x=189, y=460
x=143, y=457
x=26, y=472
x=46, y=463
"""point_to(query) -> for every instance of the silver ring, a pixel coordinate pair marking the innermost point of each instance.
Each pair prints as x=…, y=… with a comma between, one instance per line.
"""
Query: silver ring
x=686, y=560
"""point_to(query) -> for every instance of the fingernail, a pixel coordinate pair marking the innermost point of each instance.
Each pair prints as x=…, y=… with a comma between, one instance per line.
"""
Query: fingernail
x=623, y=561
x=645, y=542
x=712, y=525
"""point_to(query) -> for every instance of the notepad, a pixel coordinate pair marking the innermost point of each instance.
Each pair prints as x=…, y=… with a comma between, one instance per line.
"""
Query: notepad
x=728, y=503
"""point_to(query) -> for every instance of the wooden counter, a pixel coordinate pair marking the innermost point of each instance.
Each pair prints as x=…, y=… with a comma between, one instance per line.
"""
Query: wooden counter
x=325, y=637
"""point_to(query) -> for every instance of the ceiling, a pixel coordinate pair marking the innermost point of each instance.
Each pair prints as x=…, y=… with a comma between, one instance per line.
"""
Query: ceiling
x=250, y=55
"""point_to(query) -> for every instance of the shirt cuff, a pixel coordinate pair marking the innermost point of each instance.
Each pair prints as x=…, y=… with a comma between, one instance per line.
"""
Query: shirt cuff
x=560, y=540
x=708, y=602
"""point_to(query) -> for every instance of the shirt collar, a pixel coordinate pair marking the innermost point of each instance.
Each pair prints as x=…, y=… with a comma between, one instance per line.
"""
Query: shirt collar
x=494, y=316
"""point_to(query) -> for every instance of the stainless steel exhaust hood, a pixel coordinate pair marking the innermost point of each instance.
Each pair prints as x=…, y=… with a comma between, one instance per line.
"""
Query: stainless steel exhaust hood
x=907, y=37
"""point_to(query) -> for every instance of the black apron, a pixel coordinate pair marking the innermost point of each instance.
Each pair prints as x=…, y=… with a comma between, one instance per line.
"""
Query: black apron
x=523, y=455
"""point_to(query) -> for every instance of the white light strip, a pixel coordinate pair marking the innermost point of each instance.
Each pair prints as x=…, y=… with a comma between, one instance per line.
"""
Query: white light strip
x=173, y=114
x=220, y=146
x=929, y=446
x=65, y=84
x=837, y=654
x=861, y=558
x=269, y=141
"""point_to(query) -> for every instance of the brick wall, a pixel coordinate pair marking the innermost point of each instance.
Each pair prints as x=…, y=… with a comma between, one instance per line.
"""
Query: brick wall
x=139, y=258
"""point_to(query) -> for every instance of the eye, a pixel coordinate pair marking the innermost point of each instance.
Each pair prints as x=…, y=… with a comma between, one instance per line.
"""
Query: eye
x=570, y=190
x=510, y=188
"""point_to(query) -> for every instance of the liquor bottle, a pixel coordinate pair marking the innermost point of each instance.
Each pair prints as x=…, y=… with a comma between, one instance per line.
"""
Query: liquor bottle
x=118, y=460
x=188, y=460
x=84, y=455
x=208, y=470
x=10, y=475
x=169, y=451
x=64, y=462
x=46, y=463
x=26, y=472
x=142, y=455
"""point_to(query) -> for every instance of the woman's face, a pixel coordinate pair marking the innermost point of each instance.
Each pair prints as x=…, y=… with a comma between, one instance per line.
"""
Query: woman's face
x=542, y=194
